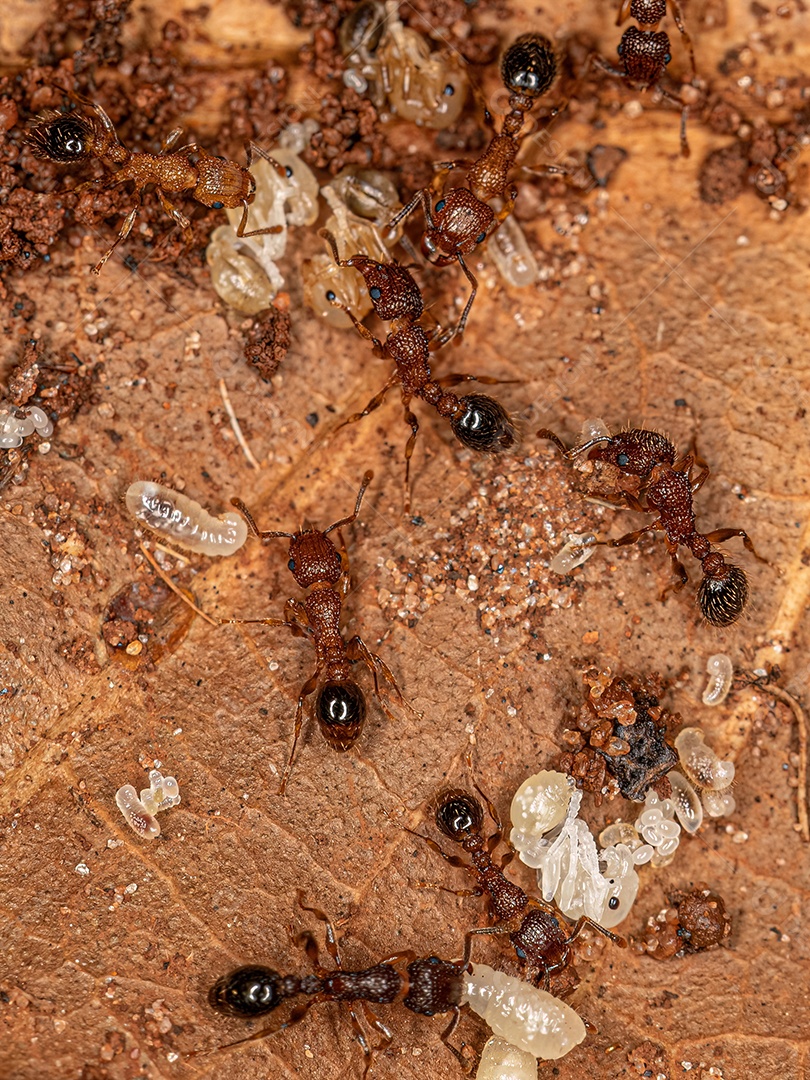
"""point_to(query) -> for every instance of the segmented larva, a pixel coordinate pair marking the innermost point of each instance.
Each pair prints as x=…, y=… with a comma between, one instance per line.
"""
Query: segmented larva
x=524, y=1015
x=720, y=672
x=183, y=521
x=500, y=1060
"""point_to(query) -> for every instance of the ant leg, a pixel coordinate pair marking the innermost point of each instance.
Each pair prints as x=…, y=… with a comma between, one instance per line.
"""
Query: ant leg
x=630, y=538
x=295, y=1017
x=240, y=232
x=410, y=418
x=308, y=688
x=422, y=196
x=171, y=139
x=356, y=649
x=252, y=148
x=444, y=888
x=173, y=212
x=719, y=536
x=623, y=12
x=462, y=322
x=508, y=206
x=595, y=60
x=445, y=1037
x=544, y=433
x=375, y=402
x=677, y=15
x=378, y=1025
x=456, y=377
x=332, y=946
x=681, y=576
x=368, y=476
x=675, y=100
x=363, y=331
x=126, y=229
x=454, y=860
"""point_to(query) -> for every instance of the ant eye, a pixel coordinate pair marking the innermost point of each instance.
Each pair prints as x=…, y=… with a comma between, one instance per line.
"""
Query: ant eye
x=620, y=49
x=449, y=90
x=481, y=237
x=217, y=205
x=440, y=205
x=330, y=296
x=622, y=460
x=375, y=293
x=667, y=58
x=291, y=565
x=613, y=903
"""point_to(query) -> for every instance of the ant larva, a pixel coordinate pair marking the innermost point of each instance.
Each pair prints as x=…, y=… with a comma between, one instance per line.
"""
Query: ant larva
x=668, y=490
x=75, y=138
x=645, y=51
x=181, y=520
x=535, y=929
x=462, y=218
x=318, y=566
x=479, y=422
x=424, y=984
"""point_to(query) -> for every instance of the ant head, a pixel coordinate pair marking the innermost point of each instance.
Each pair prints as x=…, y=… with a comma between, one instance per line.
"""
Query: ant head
x=648, y=12
x=62, y=137
x=723, y=593
x=529, y=65
x=434, y=986
x=645, y=54
x=248, y=991
x=314, y=558
x=393, y=292
x=458, y=814
x=340, y=708
x=222, y=183
x=460, y=223
x=636, y=452
x=484, y=425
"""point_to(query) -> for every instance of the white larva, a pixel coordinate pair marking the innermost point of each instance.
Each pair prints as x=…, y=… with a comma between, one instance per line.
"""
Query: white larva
x=720, y=671
x=183, y=521
x=500, y=1060
x=700, y=763
x=578, y=550
x=688, y=807
x=524, y=1015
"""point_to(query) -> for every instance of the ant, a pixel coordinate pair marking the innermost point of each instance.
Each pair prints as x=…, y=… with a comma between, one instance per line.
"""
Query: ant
x=317, y=565
x=478, y=421
x=645, y=51
x=534, y=927
x=71, y=138
x=668, y=489
x=423, y=984
x=462, y=218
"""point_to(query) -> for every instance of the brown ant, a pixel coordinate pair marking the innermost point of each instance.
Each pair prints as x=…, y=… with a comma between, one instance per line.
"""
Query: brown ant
x=317, y=565
x=534, y=927
x=645, y=51
x=462, y=218
x=668, y=489
x=478, y=421
x=72, y=138
x=424, y=984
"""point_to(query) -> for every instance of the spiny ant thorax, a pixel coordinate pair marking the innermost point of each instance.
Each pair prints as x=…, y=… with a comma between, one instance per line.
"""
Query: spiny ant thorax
x=644, y=53
x=435, y=986
x=648, y=12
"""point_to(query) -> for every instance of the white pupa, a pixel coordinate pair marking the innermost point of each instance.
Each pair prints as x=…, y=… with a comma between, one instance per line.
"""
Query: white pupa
x=529, y=1018
x=577, y=550
x=183, y=521
x=139, y=811
x=500, y=1060
x=700, y=763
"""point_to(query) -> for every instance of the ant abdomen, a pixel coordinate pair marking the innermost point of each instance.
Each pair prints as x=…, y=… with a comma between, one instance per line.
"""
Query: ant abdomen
x=484, y=425
x=458, y=814
x=340, y=708
x=434, y=986
x=248, y=991
x=529, y=65
x=61, y=137
x=722, y=599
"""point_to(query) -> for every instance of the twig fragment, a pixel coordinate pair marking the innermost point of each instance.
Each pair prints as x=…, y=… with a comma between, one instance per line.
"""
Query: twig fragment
x=240, y=438
x=175, y=589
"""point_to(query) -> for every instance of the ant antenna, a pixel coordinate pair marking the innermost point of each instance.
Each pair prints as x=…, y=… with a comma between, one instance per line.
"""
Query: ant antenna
x=254, y=530
x=367, y=478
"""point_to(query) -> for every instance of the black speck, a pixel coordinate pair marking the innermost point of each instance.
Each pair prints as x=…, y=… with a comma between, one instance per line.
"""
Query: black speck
x=312, y=419
x=680, y=403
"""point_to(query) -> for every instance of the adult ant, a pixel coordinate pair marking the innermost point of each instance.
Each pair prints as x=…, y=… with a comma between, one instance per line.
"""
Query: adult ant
x=317, y=565
x=462, y=218
x=645, y=51
x=73, y=138
x=478, y=421
x=667, y=488
x=534, y=927
x=423, y=984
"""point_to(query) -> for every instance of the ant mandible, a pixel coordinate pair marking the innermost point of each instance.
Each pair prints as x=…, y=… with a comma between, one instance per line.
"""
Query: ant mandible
x=424, y=984
x=645, y=51
x=540, y=940
x=668, y=490
x=478, y=421
x=72, y=138
x=462, y=218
